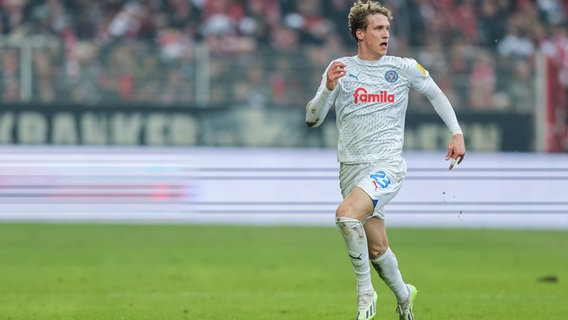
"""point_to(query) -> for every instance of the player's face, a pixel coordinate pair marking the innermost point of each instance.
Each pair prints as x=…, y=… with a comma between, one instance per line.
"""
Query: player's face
x=374, y=42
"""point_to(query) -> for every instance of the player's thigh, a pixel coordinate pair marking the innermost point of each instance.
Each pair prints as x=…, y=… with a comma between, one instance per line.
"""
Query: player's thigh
x=368, y=187
x=382, y=184
x=357, y=205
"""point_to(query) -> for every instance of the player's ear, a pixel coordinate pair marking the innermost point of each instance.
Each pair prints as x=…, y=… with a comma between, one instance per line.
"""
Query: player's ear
x=360, y=34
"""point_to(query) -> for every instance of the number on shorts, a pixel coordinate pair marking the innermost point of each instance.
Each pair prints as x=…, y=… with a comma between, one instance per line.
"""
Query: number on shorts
x=380, y=179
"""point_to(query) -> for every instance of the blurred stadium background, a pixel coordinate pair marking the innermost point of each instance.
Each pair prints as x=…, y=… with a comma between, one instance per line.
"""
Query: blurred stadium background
x=193, y=110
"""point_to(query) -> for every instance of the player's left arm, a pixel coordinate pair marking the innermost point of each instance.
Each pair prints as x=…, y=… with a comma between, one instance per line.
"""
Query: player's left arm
x=426, y=85
x=456, y=148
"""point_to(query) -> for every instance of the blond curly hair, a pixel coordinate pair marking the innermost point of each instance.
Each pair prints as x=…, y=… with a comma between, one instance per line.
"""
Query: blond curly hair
x=360, y=11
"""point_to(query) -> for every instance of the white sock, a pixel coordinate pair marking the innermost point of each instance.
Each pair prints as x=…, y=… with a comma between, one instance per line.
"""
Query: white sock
x=387, y=268
x=356, y=241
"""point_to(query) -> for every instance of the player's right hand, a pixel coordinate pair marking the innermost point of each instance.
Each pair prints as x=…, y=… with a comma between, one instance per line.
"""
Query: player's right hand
x=335, y=71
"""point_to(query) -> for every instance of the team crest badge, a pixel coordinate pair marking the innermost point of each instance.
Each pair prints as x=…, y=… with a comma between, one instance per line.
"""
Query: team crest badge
x=391, y=76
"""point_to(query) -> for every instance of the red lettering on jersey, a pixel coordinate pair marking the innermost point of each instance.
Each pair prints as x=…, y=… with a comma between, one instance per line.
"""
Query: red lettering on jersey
x=361, y=95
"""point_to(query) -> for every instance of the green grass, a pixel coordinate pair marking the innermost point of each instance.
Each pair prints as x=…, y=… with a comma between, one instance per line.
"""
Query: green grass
x=68, y=271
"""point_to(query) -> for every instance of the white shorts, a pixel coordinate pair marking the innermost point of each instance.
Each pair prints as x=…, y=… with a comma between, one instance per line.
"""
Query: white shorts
x=381, y=181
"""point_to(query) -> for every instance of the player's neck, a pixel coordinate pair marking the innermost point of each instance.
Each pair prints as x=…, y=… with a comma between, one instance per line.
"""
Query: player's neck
x=369, y=56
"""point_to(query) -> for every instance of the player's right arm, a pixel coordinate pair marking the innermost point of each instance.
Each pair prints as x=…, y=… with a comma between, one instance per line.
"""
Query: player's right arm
x=319, y=106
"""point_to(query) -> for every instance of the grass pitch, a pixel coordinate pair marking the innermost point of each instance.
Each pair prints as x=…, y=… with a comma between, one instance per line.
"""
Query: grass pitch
x=94, y=271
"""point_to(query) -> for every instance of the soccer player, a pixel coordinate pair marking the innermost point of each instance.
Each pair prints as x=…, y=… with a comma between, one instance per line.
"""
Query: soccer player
x=370, y=94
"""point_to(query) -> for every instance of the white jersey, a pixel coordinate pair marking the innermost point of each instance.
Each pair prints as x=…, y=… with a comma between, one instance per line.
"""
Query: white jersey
x=370, y=104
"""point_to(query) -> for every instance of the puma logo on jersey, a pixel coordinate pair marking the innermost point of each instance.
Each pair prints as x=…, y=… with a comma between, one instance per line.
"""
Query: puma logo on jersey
x=356, y=77
x=361, y=95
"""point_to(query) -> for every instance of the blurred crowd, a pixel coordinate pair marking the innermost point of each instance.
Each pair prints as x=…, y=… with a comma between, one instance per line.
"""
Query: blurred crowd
x=269, y=52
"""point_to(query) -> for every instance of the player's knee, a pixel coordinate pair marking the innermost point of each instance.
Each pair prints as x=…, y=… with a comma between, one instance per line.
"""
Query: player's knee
x=378, y=249
x=345, y=210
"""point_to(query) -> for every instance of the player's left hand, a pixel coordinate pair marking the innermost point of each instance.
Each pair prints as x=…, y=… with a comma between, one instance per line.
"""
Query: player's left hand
x=456, y=150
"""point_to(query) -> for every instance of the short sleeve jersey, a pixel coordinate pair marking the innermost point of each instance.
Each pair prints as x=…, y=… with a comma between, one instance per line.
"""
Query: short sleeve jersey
x=371, y=105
